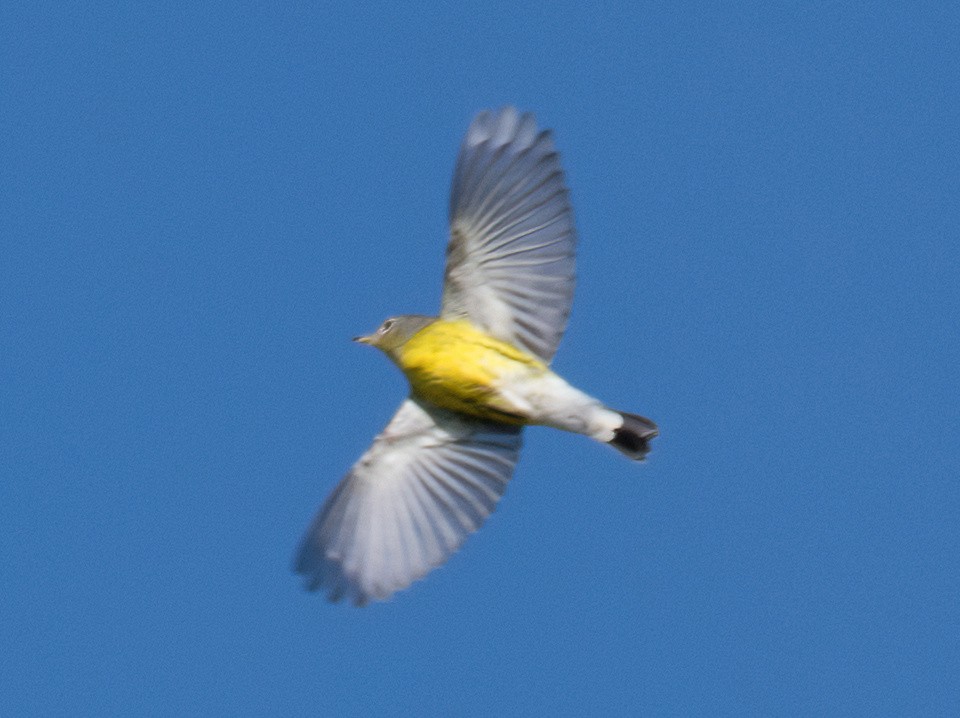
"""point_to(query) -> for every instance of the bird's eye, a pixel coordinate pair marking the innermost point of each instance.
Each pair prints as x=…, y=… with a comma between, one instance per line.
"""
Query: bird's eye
x=386, y=326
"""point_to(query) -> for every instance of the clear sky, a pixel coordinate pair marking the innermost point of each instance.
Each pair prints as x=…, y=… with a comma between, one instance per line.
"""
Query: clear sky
x=200, y=203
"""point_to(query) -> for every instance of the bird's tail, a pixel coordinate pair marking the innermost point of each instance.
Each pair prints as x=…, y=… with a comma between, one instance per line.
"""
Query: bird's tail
x=633, y=436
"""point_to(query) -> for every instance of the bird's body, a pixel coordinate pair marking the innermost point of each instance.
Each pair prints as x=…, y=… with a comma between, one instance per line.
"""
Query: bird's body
x=478, y=373
x=456, y=366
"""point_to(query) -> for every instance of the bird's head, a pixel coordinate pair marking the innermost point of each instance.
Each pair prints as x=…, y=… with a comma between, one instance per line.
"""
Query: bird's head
x=395, y=331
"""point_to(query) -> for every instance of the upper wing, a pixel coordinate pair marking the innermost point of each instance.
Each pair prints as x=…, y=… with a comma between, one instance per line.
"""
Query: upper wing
x=510, y=261
x=429, y=480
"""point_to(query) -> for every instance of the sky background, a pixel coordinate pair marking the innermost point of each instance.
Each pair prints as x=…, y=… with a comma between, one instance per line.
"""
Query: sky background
x=201, y=203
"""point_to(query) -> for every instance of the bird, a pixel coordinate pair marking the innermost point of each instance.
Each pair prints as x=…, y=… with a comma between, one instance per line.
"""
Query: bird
x=478, y=372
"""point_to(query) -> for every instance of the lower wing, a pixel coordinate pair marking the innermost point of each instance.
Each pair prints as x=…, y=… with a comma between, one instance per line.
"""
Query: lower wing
x=429, y=480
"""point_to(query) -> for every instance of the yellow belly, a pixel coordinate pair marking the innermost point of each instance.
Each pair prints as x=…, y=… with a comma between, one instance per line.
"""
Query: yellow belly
x=456, y=366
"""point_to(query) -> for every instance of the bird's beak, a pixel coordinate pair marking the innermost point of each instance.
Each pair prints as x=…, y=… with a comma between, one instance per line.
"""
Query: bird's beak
x=363, y=340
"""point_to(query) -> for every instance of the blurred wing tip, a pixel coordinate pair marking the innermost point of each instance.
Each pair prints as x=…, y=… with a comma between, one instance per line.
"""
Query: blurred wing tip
x=506, y=126
x=339, y=584
x=545, y=140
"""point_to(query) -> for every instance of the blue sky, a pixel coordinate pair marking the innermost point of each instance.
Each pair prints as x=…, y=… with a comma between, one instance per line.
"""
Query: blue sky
x=200, y=205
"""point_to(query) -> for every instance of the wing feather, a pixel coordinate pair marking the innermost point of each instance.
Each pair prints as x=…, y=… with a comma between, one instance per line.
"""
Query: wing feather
x=428, y=481
x=510, y=259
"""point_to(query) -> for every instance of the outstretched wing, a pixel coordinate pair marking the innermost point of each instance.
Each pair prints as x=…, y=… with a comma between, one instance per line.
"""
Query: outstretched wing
x=429, y=480
x=510, y=260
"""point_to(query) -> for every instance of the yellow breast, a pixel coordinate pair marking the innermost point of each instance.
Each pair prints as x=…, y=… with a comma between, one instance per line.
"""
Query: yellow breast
x=456, y=366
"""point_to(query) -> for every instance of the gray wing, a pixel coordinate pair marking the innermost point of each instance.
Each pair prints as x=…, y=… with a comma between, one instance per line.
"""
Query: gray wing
x=510, y=260
x=427, y=482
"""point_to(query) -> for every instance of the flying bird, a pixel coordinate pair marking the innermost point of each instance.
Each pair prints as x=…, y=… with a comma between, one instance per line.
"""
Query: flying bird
x=479, y=372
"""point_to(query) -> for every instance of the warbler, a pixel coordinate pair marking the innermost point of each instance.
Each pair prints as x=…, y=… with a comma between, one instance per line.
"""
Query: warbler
x=478, y=373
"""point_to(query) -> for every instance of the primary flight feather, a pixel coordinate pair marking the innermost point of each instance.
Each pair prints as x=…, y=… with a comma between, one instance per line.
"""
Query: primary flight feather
x=478, y=373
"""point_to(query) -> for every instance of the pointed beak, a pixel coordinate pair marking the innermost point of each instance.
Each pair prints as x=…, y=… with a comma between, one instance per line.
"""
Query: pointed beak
x=363, y=340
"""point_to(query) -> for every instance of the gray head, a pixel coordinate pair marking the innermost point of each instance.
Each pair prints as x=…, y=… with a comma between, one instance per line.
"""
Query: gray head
x=395, y=331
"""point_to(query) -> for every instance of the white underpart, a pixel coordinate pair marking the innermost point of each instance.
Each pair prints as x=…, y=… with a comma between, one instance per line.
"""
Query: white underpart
x=547, y=399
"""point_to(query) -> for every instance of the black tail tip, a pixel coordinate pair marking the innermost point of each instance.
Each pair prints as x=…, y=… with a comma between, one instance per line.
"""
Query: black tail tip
x=634, y=436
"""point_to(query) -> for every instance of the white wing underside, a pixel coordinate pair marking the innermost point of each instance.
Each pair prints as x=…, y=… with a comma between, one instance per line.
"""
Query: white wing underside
x=510, y=260
x=427, y=482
